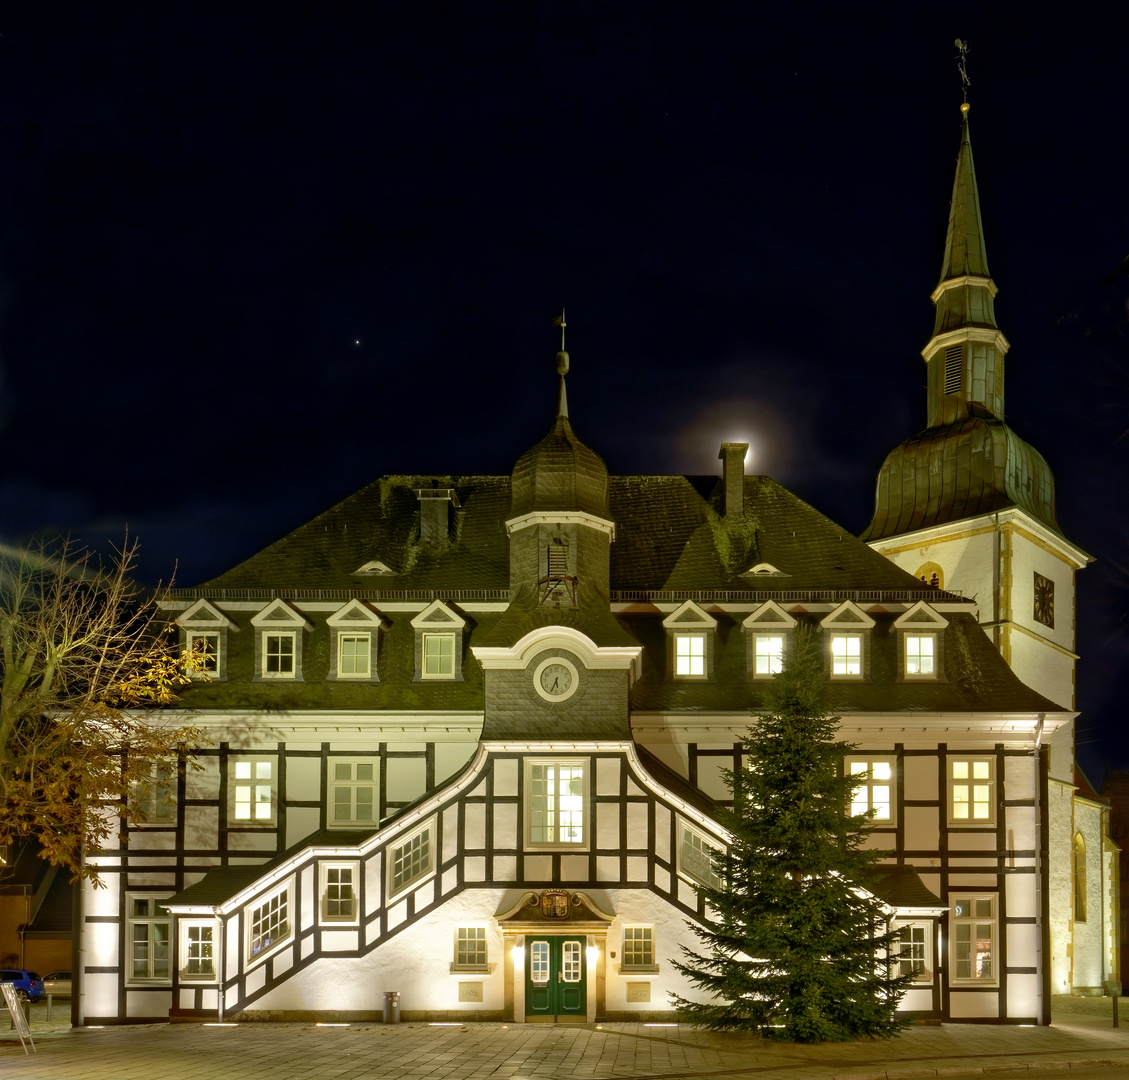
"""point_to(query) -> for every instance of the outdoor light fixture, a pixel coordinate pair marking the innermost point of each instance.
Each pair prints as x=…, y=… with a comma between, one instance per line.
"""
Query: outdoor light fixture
x=593, y=955
x=519, y=954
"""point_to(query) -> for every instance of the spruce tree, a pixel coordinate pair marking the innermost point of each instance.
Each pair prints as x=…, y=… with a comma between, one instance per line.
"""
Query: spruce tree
x=795, y=948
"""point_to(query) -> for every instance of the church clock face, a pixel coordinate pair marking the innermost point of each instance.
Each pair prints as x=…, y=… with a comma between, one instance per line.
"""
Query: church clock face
x=1044, y=601
x=555, y=679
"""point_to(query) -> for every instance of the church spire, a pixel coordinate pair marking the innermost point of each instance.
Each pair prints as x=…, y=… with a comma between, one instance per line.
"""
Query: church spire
x=966, y=353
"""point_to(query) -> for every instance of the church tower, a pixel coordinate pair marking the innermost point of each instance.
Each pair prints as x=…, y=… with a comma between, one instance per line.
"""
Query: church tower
x=966, y=504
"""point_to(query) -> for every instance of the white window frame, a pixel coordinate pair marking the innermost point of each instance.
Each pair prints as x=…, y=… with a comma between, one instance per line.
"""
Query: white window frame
x=974, y=920
x=637, y=955
x=843, y=658
x=445, y=665
x=920, y=661
x=916, y=955
x=773, y=662
x=419, y=838
x=269, y=923
x=155, y=798
x=338, y=884
x=968, y=790
x=362, y=636
x=868, y=795
x=280, y=635
x=354, y=784
x=690, y=662
x=198, y=936
x=472, y=949
x=149, y=920
x=535, y=833
x=697, y=841
x=256, y=784
x=215, y=653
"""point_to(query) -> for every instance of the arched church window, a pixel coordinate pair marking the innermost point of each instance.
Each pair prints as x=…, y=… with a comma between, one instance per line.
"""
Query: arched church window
x=1079, y=878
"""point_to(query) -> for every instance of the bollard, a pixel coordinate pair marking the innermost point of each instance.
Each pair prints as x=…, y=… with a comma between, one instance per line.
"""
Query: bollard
x=392, y=1007
x=50, y=1002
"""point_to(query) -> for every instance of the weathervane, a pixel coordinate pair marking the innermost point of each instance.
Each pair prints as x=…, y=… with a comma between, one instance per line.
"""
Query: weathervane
x=962, y=65
x=560, y=321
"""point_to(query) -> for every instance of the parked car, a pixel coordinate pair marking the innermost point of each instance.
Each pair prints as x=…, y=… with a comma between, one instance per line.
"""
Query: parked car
x=29, y=986
x=57, y=983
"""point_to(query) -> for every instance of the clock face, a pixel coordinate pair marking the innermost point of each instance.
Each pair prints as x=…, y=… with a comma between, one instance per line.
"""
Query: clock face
x=1044, y=601
x=555, y=679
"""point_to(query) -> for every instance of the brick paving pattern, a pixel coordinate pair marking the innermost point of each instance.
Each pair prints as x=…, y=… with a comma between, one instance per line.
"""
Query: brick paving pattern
x=1082, y=1033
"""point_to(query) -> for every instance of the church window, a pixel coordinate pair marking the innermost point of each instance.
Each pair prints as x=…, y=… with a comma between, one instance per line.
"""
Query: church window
x=971, y=791
x=556, y=803
x=1079, y=878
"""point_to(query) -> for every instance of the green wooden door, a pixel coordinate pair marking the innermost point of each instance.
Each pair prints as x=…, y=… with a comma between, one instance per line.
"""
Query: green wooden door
x=555, y=977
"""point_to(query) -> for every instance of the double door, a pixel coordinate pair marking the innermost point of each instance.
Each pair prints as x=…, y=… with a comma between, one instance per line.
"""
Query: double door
x=555, y=978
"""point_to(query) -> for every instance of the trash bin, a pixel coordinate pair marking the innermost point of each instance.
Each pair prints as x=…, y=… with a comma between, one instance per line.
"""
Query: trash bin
x=392, y=1007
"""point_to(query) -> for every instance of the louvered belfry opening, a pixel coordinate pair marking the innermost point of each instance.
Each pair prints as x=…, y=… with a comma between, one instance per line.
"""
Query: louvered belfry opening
x=557, y=582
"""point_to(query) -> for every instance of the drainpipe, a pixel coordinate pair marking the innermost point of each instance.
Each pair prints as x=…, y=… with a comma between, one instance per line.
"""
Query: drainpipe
x=1043, y=947
x=222, y=965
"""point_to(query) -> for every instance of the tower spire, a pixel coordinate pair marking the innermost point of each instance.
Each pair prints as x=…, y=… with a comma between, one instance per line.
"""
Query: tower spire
x=562, y=366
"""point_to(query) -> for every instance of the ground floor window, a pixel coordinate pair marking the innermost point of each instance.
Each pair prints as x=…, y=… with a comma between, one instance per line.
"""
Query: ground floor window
x=197, y=941
x=974, y=939
x=638, y=949
x=915, y=954
x=150, y=929
x=471, y=952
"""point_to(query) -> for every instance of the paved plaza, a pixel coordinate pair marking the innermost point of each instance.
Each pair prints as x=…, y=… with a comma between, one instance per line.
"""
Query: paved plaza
x=1082, y=1033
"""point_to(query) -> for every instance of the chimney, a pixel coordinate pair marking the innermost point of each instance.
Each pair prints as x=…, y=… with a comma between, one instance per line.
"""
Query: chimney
x=733, y=478
x=435, y=514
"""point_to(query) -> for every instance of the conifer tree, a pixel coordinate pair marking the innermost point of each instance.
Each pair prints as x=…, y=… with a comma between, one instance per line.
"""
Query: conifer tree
x=795, y=948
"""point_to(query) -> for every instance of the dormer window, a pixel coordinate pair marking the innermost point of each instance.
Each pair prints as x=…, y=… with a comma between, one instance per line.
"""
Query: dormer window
x=205, y=628
x=920, y=634
x=354, y=632
x=691, y=631
x=848, y=630
x=769, y=630
x=278, y=646
x=438, y=645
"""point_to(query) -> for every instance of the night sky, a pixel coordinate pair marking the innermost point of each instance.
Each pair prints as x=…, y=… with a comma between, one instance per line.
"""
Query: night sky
x=253, y=256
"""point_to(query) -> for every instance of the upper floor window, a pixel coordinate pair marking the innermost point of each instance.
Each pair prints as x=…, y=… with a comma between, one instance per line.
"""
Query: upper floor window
x=848, y=628
x=770, y=628
x=438, y=645
x=268, y=924
x=339, y=891
x=353, y=787
x=875, y=792
x=920, y=630
x=691, y=631
x=252, y=790
x=280, y=628
x=154, y=799
x=697, y=857
x=971, y=791
x=920, y=654
x=412, y=859
x=768, y=655
x=354, y=632
x=205, y=632
x=204, y=648
x=556, y=802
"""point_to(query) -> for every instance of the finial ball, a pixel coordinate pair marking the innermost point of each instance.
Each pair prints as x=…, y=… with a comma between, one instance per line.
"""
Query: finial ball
x=562, y=363
x=964, y=107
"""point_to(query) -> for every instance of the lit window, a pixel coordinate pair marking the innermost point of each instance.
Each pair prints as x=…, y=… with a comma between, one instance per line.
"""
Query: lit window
x=269, y=924
x=438, y=656
x=768, y=654
x=920, y=650
x=971, y=791
x=353, y=792
x=689, y=655
x=150, y=927
x=253, y=790
x=915, y=953
x=353, y=655
x=557, y=799
x=974, y=934
x=196, y=945
x=697, y=858
x=339, y=892
x=470, y=949
x=412, y=859
x=278, y=656
x=154, y=799
x=846, y=655
x=875, y=792
x=638, y=947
